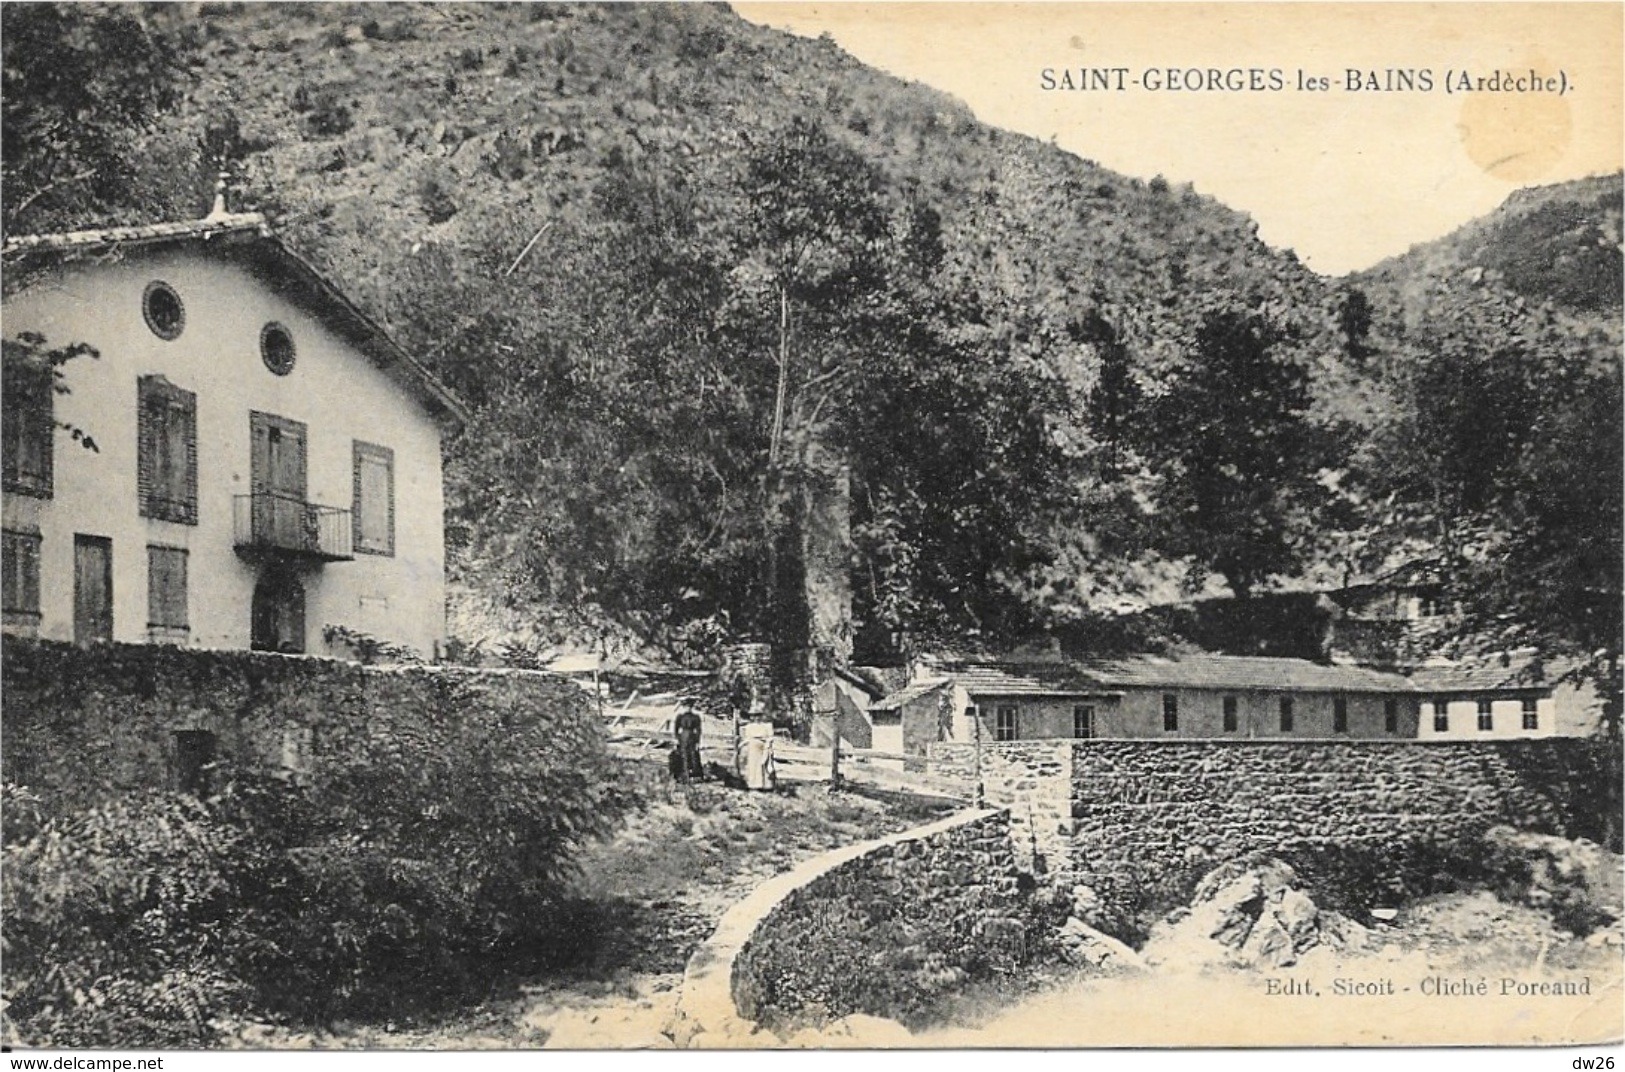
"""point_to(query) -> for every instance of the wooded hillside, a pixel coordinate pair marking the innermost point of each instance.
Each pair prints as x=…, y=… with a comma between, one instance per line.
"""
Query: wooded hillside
x=689, y=272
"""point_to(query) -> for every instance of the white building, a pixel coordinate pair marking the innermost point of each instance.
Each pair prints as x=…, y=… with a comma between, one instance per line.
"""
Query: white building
x=268, y=460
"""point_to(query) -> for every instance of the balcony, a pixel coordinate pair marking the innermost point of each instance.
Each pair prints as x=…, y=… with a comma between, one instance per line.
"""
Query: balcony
x=273, y=524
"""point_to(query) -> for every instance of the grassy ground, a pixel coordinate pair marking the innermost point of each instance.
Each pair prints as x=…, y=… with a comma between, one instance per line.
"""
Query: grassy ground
x=645, y=900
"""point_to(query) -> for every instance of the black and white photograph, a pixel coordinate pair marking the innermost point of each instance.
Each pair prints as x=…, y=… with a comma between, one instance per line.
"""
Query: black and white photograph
x=788, y=526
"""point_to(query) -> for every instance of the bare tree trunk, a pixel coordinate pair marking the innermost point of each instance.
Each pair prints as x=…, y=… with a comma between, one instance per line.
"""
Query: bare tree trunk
x=775, y=444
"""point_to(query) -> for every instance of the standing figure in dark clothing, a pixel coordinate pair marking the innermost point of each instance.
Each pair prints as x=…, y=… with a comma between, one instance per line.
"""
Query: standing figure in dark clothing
x=686, y=759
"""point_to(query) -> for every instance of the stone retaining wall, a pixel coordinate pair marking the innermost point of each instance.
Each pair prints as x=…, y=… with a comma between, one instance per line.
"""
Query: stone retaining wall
x=85, y=723
x=1111, y=813
x=880, y=928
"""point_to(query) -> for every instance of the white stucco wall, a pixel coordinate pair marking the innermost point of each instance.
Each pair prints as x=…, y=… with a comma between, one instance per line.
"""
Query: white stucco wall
x=337, y=392
x=1506, y=717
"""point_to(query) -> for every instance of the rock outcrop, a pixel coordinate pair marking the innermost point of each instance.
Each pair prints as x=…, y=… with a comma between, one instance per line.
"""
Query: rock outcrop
x=1251, y=912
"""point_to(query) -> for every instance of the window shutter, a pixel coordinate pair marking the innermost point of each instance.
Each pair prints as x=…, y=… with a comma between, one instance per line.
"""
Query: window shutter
x=183, y=438
x=21, y=554
x=166, y=462
x=149, y=419
x=373, y=499
x=30, y=424
x=166, y=587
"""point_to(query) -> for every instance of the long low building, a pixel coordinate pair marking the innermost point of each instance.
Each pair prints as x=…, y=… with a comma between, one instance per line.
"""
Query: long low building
x=1195, y=696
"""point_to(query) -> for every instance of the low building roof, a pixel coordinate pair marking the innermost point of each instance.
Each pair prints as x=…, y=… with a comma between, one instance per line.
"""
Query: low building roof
x=1492, y=674
x=247, y=237
x=1239, y=672
x=1020, y=679
x=863, y=679
x=996, y=680
x=908, y=694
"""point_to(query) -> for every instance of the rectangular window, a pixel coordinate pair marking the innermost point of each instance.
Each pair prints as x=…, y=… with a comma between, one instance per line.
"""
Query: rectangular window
x=1083, y=722
x=1486, y=719
x=166, y=594
x=21, y=565
x=1340, y=715
x=166, y=470
x=1004, y=728
x=1441, y=716
x=27, y=421
x=374, y=499
x=1531, y=714
x=1286, y=714
x=1170, y=712
x=1390, y=716
x=1230, y=714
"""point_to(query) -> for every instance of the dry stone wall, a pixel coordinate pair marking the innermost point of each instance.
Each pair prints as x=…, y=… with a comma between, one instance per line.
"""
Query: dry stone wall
x=85, y=723
x=882, y=928
x=1118, y=814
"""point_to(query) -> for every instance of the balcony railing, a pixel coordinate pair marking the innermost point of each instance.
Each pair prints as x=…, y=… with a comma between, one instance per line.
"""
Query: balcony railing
x=273, y=523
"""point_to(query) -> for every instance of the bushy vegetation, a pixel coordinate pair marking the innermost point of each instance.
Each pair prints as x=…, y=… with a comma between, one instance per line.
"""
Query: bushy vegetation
x=404, y=877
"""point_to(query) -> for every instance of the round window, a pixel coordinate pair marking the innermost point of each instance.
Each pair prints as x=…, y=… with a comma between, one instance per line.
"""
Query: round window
x=162, y=307
x=276, y=347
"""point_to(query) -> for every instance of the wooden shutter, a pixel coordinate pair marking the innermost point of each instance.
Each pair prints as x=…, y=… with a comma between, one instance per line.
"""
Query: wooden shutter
x=373, y=499
x=21, y=597
x=166, y=588
x=166, y=469
x=29, y=419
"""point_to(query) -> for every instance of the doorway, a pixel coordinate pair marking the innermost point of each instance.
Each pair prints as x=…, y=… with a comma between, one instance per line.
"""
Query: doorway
x=278, y=613
x=92, y=588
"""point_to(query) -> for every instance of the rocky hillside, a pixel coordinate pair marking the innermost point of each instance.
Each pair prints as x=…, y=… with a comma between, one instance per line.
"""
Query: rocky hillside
x=1555, y=244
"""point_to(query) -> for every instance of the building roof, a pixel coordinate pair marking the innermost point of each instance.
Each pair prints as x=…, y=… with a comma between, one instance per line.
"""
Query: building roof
x=248, y=238
x=1019, y=679
x=1526, y=674
x=862, y=678
x=1239, y=672
x=995, y=679
x=908, y=694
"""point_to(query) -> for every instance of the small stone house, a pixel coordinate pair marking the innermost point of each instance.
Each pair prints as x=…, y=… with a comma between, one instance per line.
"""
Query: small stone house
x=969, y=701
x=268, y=462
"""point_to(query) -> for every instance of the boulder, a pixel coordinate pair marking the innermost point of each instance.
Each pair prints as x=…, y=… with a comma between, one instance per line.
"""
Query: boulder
x=1250, y=912
x=1082, y=944
x=1268, y=945
x=1298, y=916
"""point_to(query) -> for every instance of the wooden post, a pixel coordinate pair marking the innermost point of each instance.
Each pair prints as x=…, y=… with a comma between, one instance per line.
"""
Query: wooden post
x=835, y=748
x=739, y=766
x=976, y=721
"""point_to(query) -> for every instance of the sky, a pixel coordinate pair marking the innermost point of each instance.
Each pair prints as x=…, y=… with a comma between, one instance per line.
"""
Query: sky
x=1343, y=177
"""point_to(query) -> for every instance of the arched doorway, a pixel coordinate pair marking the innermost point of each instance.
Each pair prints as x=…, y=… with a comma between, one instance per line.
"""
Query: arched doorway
x=278, y=612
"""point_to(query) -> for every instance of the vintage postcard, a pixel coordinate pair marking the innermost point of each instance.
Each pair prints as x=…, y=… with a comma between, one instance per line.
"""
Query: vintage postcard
x=896, y=527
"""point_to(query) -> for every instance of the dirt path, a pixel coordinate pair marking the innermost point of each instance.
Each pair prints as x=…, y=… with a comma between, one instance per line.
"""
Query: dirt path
x=646, y=899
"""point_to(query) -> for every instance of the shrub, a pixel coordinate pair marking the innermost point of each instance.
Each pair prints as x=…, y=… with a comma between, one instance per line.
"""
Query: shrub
x=395, y=880
x=435, y=197
x=115, y=926
x=329, y=116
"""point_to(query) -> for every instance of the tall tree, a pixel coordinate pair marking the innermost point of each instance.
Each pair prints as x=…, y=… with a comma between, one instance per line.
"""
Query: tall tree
x=1237, y=452
x=810, y=280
